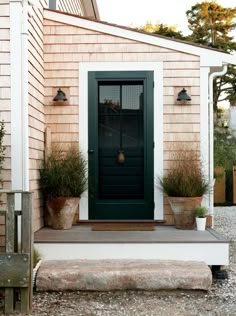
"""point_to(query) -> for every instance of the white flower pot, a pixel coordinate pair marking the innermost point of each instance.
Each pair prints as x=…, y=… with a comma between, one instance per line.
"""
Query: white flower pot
x=201, y=223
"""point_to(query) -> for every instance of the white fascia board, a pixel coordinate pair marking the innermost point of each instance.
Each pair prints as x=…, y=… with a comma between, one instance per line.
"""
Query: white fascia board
x=208, y=57
x=216, y=59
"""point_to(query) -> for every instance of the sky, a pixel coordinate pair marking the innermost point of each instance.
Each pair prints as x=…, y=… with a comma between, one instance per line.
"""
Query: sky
x=138, y=12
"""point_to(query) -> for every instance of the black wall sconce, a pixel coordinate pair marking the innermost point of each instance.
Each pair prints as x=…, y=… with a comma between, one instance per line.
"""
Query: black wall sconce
x=61, y=96
x=183, y=97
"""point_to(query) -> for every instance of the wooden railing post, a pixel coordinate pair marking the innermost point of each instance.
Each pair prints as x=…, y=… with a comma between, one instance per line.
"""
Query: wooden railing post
x=10, y=241
x=16, y=264
x=26, y=247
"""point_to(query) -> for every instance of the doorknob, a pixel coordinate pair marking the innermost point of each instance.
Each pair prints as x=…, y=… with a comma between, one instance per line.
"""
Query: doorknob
x=90, y=151
x=121, y=156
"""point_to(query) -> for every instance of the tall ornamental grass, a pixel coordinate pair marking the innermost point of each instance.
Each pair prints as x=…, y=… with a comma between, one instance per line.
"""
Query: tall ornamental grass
x=185, y=177
x=63, y=174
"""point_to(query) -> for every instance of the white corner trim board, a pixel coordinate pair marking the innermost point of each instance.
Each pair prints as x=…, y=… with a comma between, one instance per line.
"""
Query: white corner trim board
x=19, y=95
x=25, y=99
x=16, y=95
x=157, y=69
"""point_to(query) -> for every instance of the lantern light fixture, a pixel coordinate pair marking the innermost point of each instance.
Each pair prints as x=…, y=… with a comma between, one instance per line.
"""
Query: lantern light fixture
x=183, y=96
x=61, y=96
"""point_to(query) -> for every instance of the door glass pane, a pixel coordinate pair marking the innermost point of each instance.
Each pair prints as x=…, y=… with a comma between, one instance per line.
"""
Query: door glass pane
x=109, y=116
x=109, y=98
x=132, y=97
x=121, y=129
x=132, y=116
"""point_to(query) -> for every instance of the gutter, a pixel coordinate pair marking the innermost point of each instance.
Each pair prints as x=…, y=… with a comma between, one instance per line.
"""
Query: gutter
x=211, y=130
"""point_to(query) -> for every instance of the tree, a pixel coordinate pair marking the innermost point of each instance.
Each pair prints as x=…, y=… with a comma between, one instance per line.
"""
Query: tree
x=161, y=29
x=229, y=85
x=211, y=25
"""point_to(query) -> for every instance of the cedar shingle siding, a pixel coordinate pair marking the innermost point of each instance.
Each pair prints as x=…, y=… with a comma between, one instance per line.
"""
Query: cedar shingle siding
x=66, y=46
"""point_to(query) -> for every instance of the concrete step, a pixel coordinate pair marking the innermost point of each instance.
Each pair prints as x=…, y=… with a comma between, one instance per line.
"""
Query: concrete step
x=108, y=275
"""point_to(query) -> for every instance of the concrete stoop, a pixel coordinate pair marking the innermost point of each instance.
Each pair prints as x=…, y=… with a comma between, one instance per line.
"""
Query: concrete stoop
x=108, y=275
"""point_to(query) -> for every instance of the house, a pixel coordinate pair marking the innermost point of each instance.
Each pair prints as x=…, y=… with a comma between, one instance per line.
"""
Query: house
x=45, y=47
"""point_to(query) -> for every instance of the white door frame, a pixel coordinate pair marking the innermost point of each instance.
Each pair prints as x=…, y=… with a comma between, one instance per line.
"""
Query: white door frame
x=157, y=68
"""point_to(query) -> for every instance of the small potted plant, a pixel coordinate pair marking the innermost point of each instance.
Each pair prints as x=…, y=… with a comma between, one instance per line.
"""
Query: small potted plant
x=185, y=185
x=201, y=213
x=63, y=178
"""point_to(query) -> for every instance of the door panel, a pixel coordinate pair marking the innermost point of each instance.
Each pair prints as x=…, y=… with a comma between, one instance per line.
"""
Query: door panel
x=120, y=145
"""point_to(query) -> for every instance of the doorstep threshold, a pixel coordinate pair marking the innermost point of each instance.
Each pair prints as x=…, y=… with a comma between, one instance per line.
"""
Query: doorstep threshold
x=92, y=221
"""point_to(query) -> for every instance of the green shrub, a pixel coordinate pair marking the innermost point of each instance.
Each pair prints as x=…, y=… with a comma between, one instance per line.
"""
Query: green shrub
x=201, y=211
x=185, y=177
x=224, y=149
x=63, y=174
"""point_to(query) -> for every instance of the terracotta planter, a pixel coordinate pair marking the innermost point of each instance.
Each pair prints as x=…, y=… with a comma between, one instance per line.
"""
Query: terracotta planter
x=184, y=209
x=61, y=212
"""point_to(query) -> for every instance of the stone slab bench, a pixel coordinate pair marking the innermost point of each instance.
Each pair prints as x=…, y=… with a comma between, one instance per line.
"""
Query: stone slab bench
x=108, y=275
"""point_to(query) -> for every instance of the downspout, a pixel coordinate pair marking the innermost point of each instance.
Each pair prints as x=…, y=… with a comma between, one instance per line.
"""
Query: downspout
x=211, y=132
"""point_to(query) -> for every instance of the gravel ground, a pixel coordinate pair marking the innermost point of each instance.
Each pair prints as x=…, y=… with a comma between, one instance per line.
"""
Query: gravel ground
x=220, y=300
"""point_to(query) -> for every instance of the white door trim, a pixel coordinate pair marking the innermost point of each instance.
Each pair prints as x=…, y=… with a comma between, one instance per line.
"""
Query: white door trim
x=157, y=69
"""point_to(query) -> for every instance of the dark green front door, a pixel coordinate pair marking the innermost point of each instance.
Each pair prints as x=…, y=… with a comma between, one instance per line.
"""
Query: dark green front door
x=121, y=145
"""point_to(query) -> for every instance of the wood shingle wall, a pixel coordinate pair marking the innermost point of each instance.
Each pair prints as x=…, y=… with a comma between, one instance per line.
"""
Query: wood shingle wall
x=66, y=46
x=36, y=109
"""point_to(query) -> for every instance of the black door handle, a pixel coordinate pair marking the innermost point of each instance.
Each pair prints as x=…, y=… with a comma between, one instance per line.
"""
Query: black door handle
x=90, y=151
